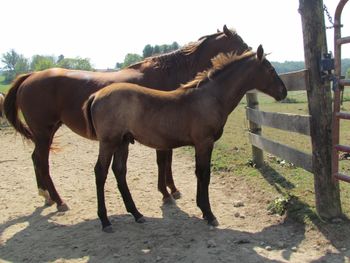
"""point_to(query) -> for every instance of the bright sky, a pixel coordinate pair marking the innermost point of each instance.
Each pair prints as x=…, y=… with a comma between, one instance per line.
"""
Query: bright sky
x=106, y=30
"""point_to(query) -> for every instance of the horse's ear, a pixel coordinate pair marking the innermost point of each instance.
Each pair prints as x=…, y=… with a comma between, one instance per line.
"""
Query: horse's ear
x=227, y=31
x=218, y=30
x=260, y=53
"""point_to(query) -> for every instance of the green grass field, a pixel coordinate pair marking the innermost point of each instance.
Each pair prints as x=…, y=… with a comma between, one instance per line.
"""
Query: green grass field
x=232, y=157
x=3, y=87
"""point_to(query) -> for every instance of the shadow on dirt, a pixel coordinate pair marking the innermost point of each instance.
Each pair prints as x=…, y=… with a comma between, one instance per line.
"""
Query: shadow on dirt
x=177, y=237
x=297, y=211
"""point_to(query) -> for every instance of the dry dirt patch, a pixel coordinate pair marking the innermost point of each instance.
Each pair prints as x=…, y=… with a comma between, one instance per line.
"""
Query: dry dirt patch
x=30, y=232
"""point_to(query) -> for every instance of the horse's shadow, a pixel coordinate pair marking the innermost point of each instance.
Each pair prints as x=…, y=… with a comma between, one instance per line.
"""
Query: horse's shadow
x=176, y=237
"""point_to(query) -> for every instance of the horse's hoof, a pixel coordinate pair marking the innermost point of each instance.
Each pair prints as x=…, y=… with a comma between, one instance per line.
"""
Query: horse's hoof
x=62, y=208
x=176, y=195
x=108, y=229
x=169, y=200
x=141, y=220
x=49, y=202
x=46, y=195
x=214, y=222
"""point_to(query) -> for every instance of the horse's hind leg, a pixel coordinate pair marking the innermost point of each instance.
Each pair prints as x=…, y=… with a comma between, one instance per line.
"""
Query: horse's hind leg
x=119, y=168
x=45, y=184
x=169, y=175
x=101, y=171
x=162, y=176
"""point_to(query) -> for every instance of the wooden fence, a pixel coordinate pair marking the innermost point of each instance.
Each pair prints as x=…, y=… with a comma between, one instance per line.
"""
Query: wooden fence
x=288, y=122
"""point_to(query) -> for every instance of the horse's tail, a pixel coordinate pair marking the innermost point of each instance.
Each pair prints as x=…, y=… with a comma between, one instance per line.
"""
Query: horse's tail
x=91, y=132
x=11, y=108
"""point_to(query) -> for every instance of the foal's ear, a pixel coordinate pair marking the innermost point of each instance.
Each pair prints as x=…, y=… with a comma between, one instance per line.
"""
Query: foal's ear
x=227, y=31
x=260, y=53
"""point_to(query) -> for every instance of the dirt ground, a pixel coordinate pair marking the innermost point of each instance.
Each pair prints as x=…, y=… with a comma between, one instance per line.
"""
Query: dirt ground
x=31, y=232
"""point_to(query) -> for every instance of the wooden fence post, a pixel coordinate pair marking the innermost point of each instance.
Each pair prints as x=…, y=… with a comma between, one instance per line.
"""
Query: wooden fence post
x=258, y=155
x=320, y=108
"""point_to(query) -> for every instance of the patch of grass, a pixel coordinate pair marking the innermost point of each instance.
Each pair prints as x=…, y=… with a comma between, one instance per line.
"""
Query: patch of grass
x=279, y=205
x=3, y=86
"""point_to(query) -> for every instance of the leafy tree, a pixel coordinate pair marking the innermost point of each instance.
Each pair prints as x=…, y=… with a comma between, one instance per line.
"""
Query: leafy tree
x=42, y=62
x=10, y=59
x=22, y=65
x=175, y=46
x=15, y=64
x=156, y=50
x=60, y=58
x=147, y=51
x=75, y=63
x=130, y=59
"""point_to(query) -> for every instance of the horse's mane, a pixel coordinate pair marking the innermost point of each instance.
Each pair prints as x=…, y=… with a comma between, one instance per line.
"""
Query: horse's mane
x=220, y=63
x=179, y=56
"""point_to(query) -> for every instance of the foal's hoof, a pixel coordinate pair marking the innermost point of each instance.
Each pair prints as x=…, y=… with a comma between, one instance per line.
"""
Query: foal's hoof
x=108, y=229
x=140, y=220
x=214, y=222
x=62, y=208
x=169, y=200
x=176, y=195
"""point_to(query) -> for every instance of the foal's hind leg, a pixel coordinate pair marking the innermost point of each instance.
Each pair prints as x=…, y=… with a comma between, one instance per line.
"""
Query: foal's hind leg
x=101, y=171
x=119, y=168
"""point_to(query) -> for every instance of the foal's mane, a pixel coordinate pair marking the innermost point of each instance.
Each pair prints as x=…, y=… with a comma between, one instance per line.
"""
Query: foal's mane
x=220, y=63
x=180, y=56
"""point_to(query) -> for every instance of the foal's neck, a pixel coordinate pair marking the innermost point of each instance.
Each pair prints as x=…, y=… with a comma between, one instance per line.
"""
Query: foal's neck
x=232, y=84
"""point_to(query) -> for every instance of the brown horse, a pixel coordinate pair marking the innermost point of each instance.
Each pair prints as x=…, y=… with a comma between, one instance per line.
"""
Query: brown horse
x=194, y=114
x=54, y=97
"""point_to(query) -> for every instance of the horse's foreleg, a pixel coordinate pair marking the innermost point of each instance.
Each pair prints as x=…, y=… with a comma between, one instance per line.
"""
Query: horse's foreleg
x=203, y=159
x=45, y=184
x=101, y=171
x=169, y=175
x=162, y=159
x=119, y=168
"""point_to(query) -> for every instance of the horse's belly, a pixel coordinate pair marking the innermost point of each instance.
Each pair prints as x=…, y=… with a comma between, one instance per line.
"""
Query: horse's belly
x=161, y=143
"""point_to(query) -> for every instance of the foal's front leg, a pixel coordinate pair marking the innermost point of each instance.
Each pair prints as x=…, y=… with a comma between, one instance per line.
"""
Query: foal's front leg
x=203, y=159
x=119, y=168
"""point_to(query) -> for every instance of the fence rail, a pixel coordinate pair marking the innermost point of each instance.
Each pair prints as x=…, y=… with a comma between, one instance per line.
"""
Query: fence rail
x=285, y=152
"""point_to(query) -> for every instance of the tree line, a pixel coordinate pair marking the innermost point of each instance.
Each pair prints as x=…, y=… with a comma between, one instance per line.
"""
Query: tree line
x=16, y=64
x=148, y=51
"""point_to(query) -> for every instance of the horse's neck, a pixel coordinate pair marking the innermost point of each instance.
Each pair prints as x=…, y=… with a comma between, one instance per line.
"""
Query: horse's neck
x=230, y=88
x=179, y=66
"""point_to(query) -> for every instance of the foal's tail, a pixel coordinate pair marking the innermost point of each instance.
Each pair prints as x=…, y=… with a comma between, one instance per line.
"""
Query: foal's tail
x=91, y=132
x=11, y=108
